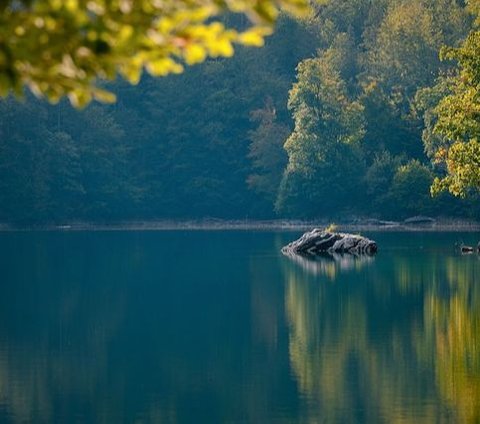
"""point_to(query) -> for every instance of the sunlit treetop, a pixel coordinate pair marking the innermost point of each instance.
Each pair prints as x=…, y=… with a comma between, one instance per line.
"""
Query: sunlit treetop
x=458, y=122
x=63, y=47
x=457, y=129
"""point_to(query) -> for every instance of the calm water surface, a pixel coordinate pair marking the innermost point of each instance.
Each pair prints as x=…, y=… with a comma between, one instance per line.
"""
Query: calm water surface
x=219, y=327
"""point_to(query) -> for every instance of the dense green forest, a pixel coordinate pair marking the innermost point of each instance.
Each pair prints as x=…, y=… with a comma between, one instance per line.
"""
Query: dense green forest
x=333, y=118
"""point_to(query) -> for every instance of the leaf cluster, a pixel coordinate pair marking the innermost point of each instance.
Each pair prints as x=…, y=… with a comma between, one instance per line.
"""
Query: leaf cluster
x=58, y=48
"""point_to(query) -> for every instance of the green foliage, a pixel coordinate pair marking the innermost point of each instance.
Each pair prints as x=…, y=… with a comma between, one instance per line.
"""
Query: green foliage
x=340, y=16
x=425, y=105
x=381, y=57
x=463, y=168
x=331, y=228
x=266, y=151
x=410, y=35
x=458, y=123
x=40, y=173
x=378, y=181
x=410, y=190
x=405, y=35
x=387, y=126
x=323, y=150
x=58, y=48
x=169, y=148
x=209, y=142
x=401, y=57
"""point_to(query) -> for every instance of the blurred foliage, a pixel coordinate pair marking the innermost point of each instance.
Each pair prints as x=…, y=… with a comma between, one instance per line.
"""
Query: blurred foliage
x=58, y=48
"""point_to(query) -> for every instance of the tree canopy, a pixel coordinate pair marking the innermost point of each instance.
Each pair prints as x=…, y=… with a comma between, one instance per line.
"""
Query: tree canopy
x=326, y=121
x=58, y=48
x=458, y=123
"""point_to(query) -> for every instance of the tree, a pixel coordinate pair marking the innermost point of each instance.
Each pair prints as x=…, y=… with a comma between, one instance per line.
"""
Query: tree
x=323, y=149
x=425, y=105
x=401, y=57
x=412, y=174
x=39, y=166
x=458, y=123
x=378, y=181
x=410, y=35
x=58, y=48
x=266, y=151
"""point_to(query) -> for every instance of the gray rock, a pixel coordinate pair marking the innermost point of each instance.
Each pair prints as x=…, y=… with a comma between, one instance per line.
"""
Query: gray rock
x=378, y=222
x=419, y=220
x=319, y=241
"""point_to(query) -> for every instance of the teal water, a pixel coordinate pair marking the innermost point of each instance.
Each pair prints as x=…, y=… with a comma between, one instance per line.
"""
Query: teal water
x=219, y=327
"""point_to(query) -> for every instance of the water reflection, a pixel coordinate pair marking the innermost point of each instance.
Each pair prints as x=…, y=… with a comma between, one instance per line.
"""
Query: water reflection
x=329, y=264
x=398, y=341
x=126, y=328
x=452, y=317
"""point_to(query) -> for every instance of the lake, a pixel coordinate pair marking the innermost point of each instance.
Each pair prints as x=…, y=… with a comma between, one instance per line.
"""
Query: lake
x=219, y=327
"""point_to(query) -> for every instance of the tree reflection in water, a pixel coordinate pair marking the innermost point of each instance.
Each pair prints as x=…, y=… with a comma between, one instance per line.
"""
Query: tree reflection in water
x=394, y=339
x=98, y=328
x=329, y=264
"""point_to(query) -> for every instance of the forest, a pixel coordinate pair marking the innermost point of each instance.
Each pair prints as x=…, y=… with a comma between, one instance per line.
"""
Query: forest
x=343, y=113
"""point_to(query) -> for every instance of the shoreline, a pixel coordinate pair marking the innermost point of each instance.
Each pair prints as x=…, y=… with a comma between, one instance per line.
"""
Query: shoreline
x=440, y=225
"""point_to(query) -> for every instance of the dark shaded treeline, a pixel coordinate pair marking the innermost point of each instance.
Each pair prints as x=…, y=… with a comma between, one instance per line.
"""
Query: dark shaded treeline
x=210, y=142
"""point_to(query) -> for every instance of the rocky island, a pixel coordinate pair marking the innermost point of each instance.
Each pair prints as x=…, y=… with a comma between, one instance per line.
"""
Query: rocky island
x=321, y=241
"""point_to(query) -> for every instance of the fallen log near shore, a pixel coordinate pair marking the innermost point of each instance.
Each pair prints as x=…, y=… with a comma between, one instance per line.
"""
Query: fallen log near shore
x=320, y=241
